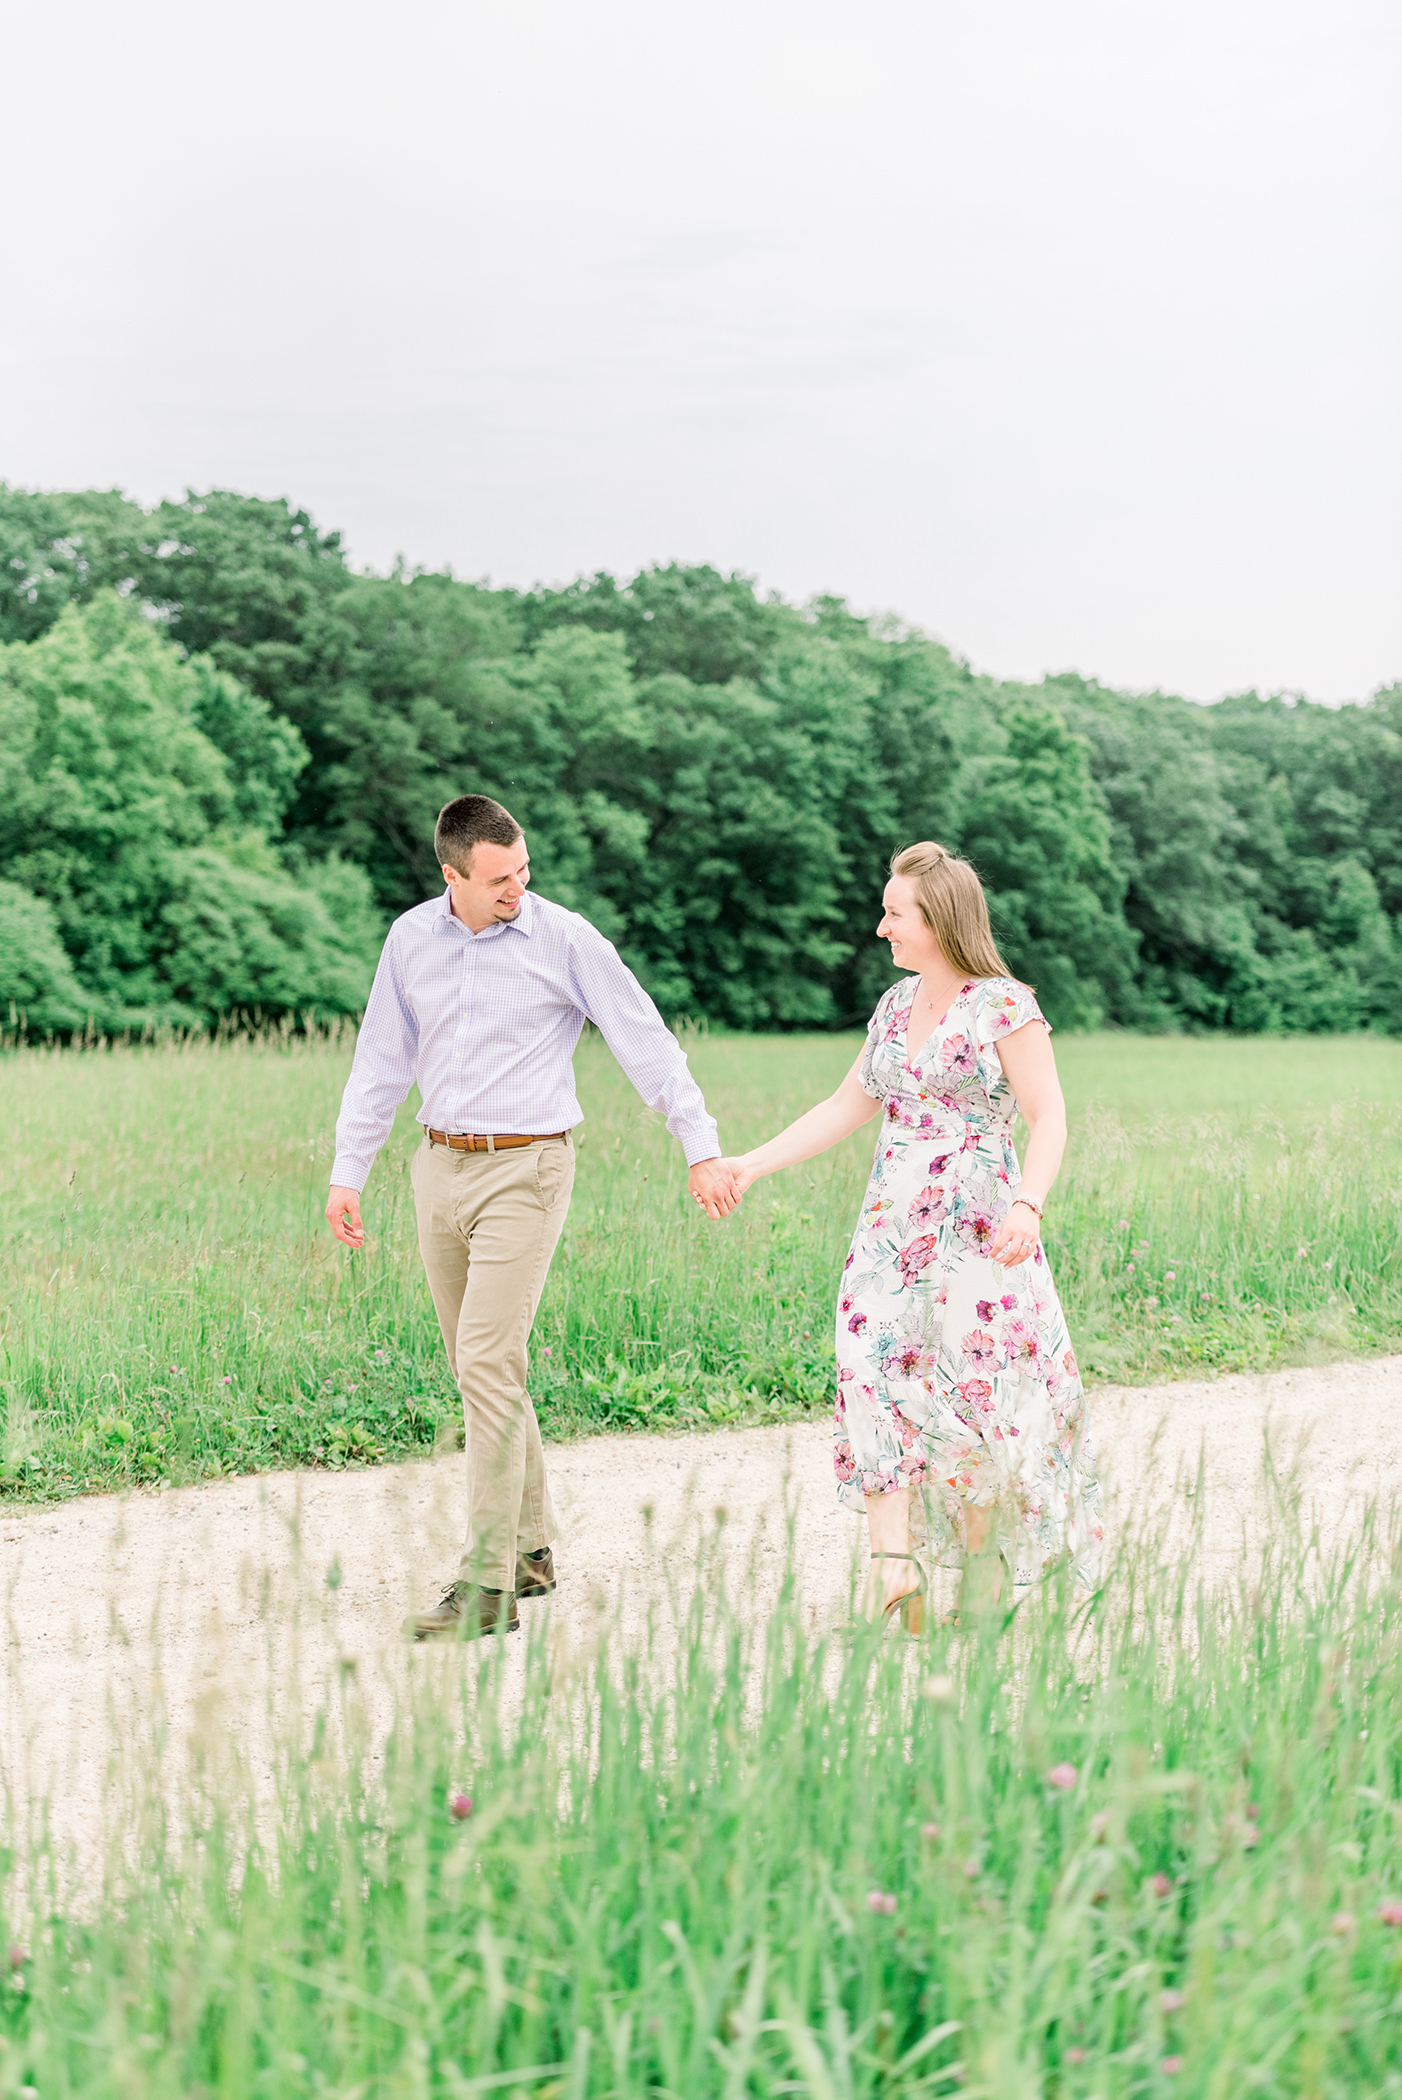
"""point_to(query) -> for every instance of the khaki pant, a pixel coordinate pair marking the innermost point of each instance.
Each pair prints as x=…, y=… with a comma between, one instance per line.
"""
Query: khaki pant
x=488, y=1224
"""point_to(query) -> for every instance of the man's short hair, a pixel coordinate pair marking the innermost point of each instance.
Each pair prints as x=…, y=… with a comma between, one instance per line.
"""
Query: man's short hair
x=473, y=820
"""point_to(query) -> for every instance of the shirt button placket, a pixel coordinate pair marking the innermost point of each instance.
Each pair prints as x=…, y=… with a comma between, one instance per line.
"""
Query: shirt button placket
x=469, y=972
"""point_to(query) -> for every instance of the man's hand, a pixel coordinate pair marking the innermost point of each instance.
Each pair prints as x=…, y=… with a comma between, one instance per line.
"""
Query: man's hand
x=714, y=1188
x=343, y=1216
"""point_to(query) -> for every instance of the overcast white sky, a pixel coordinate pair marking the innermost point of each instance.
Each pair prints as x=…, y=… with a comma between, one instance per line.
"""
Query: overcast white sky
x=1070, y=329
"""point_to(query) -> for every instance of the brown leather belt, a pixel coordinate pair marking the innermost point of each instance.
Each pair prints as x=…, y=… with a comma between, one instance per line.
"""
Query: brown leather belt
x=468, y=1143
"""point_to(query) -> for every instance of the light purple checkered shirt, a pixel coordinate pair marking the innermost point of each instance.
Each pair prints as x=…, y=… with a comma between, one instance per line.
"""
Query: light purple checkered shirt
x=487, y=1024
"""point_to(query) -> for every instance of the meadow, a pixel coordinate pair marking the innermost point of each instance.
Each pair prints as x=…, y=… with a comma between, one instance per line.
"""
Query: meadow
x=174, y=1307
x=1145, y=1846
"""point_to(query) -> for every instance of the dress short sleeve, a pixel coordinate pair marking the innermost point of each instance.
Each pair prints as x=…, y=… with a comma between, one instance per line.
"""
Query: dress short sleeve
x=1004, y=1006
x=876, y=1029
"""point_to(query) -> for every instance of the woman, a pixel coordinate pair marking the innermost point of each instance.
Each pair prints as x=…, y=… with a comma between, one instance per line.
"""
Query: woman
x=960, y=1411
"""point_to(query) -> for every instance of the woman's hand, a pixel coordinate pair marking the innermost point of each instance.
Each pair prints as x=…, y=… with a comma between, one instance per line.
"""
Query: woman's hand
x=1016, y=1237
x=713, y=1186
x=741, y=1173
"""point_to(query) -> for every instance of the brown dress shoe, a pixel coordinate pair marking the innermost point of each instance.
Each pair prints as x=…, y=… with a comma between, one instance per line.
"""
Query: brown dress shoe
x=535, y=1573
x=464, y=1613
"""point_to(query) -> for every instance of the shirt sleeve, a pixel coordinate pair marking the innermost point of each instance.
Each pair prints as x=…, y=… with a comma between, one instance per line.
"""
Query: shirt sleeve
x=381, y=1074
x=1004, y=1006
x=606, y=990
x=875, y=1029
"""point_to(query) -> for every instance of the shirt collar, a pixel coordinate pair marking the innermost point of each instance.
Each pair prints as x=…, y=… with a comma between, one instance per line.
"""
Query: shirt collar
x=447, y=919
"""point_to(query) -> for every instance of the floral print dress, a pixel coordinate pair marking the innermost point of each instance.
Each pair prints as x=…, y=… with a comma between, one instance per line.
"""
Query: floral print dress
x=954, y=1374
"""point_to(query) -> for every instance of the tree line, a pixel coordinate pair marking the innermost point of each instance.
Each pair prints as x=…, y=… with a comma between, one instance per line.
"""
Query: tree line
x=222, y=751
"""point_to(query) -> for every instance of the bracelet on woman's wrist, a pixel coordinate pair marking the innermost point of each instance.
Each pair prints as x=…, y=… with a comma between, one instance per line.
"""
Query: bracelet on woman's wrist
x=1030, y=1204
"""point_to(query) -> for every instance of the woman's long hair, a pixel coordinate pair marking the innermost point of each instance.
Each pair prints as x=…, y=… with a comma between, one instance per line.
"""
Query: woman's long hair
x=953, y=906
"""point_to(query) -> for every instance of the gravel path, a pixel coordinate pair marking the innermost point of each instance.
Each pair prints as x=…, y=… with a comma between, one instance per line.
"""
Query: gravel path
x=213, y=1603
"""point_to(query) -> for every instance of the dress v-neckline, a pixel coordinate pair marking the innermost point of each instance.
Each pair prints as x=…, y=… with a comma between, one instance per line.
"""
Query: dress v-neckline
x=966, y=986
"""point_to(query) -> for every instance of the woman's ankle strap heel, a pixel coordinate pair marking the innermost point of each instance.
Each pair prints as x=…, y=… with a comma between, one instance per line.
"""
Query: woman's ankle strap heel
x=911, y=1603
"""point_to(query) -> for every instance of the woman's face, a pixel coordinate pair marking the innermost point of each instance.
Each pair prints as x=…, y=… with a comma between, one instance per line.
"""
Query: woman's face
x=913, y=946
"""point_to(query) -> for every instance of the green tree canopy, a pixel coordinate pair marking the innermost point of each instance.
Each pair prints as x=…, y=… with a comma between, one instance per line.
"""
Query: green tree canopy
x=130, y=827
x=718, y=779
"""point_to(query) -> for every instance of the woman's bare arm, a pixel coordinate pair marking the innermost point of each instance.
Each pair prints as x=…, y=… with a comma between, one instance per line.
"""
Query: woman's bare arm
x=823, y=1126
x=1030, y=1065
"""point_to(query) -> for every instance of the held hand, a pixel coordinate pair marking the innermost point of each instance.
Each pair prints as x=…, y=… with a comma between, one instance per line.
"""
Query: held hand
x=343, y=1216
x=1015, y=1238
x=714, y=1187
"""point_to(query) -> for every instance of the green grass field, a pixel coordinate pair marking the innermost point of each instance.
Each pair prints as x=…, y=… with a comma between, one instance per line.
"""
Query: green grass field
x=173, y=1305
x=1149, y=1848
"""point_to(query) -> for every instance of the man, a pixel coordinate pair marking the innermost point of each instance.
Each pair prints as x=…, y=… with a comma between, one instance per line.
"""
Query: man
x=480, y=996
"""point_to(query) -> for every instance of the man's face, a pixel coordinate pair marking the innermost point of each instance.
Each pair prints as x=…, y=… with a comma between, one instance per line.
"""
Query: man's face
x=489, y=891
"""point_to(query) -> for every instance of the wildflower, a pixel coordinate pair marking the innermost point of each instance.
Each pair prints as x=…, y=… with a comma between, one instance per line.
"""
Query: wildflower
x=1169, y=1275
x=1151, y=1303
x=1063, y=1776
x=1300, y=1253
x=1075, y=2055
x=1343, y=1923
x=971, y=1870
x=940, y=1688
x=18, y=1957
x=460, y=1807
x=1161, y=1885
x=1253, y=1811
x=226, y=1381
x=881, y=1904
x=1390, y=1911
x=1123, y=1225
x=1171, y=2066
x=1171, y=2001
x=383, y=1353
x=930, y=1832
x=1099, y=1824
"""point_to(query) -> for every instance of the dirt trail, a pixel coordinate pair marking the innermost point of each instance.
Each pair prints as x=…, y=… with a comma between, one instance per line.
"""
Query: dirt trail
x=216, y=1598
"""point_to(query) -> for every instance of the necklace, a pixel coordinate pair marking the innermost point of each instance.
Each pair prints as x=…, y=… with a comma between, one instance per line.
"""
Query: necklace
x=927, y=1014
